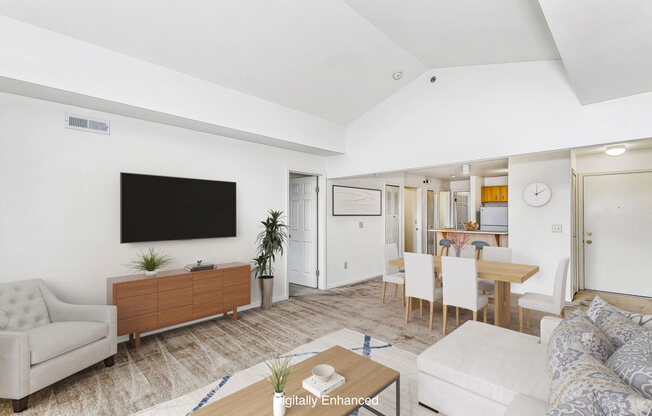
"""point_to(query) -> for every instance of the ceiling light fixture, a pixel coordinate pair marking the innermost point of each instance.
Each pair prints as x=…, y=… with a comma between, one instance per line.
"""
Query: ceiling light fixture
x=397, y=75
x=452, y=176
x=615, y=150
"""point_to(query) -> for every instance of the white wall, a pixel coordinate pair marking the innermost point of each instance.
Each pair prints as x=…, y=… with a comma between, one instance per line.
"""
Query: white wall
x=630, y=160
x=496, y=181
x=60, y=210
x=530, y=229
x=485, y=112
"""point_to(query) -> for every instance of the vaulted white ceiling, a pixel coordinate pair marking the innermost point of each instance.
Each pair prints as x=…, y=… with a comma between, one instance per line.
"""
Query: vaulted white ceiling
x=330, y=58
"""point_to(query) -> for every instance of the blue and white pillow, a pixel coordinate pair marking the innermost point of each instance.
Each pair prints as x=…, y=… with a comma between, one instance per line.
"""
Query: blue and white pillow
x=612, y=322
x=638, y=318
x=632, y=362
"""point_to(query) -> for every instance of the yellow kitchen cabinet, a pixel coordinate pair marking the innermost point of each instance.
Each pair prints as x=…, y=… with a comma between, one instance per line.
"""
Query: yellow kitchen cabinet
x=494, y=193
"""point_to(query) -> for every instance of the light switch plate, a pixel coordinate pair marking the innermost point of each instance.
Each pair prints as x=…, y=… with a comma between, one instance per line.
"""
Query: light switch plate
x=346, y=264
x=361, y=224
x=556, y=228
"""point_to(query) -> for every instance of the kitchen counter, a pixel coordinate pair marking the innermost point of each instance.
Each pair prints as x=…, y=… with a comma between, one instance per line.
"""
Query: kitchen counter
x=453, y=230
x=493, y=238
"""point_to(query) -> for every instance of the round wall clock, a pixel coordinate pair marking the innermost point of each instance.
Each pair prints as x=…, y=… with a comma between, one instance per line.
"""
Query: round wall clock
x=537, y=194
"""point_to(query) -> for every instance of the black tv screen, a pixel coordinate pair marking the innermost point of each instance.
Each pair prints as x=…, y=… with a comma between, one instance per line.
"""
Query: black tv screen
x=155, y=208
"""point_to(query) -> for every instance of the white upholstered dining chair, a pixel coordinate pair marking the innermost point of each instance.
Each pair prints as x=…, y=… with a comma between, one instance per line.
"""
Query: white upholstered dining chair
x=544, y=303
x=392, y=274
x=420, y=282
x=460, y=284
x=498, y=254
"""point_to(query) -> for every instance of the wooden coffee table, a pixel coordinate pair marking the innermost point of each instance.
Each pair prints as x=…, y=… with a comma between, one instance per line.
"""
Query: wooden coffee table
x=364, y=378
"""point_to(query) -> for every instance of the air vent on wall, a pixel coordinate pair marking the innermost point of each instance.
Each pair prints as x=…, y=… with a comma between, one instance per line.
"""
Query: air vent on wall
x=92, y=125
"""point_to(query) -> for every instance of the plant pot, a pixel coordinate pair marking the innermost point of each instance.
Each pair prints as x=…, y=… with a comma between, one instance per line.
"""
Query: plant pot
x=266, y=292
x=279, y=402
x=150, y=272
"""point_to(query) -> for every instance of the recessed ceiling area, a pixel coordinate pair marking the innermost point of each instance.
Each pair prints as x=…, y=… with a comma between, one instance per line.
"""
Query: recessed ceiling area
x=486, y=169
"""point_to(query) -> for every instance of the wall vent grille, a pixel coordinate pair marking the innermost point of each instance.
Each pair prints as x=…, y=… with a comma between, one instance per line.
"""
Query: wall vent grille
x=92, y=125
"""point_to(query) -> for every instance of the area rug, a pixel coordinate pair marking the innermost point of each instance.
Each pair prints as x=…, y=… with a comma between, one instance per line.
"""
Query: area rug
x=375, y=349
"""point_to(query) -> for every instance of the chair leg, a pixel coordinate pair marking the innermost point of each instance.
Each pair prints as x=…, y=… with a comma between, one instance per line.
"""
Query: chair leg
x=382, y=298
x=486, y=309
x=432, y=313
x=444, y=325
x=403, y=295
x=108, y=362
x=395, y=290
x=520, y=319
x=20, y=404
x=527, y=318
x=475, y=315
x=457, y=316
x=420, y=307
x=562, y=315
x=407, y=309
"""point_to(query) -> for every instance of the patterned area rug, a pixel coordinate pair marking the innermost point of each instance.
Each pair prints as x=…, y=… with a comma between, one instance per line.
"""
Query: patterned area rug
x=375, y=349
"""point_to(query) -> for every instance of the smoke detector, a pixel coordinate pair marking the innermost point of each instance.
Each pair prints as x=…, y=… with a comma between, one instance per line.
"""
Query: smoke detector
x=397, y=75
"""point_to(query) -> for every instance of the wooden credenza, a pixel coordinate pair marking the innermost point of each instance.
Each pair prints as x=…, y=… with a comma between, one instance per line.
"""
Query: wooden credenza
x=177, y=296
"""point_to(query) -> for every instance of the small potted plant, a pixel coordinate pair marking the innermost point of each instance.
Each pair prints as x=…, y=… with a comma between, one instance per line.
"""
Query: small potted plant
x=471, y=225
x=271, y=242
x=280, y=370
x=150, y=262
x=459, y=241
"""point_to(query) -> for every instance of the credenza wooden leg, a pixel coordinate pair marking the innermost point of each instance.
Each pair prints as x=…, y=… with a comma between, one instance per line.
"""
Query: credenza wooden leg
x=137, y=340
x=131, y=337
x=235, y=314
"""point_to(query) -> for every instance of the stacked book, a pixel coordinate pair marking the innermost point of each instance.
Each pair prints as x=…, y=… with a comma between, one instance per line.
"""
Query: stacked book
x=197, y=267
x=323, y=388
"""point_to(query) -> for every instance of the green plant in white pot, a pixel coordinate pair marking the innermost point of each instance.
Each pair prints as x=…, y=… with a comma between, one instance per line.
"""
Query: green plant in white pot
x=150, y=261
x=271, y=242
x=279, y=374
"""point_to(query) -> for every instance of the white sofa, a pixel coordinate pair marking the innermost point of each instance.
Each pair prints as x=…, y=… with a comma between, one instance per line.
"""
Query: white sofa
x=485, y=370
x=43, y=340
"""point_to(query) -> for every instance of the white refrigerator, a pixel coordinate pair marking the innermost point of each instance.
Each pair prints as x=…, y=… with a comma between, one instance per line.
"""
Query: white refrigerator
x=493, y=218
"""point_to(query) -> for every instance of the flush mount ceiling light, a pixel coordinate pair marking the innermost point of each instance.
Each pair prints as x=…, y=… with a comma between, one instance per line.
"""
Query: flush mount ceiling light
x=615, y=150
x=452, y=176
x=397, y=75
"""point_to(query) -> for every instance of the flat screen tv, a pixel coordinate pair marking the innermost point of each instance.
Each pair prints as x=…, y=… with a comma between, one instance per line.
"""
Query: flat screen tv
x=156, y=208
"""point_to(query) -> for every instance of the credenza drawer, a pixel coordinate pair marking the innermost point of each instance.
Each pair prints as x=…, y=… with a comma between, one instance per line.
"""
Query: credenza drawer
x=136, y=288
x=136, y=306
x=212, y=284
x=236, y=277
x=175, y=316
x=171, y=299
x=174, y=282
x=206, y=274
x=139, y=324
x=236, y=295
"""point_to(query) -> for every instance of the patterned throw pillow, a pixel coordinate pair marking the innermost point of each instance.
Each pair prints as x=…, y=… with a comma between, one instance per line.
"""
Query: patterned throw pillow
x=586, y=386
x=633, y=362
x=638, y=318
x=577, y=327
x=614, y=324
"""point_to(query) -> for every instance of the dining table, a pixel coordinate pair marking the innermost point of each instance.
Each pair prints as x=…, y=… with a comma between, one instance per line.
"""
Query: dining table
x=503, y=275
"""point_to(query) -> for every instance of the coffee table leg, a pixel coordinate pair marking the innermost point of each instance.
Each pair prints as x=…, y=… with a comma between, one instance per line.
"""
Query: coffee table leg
x=398, y=396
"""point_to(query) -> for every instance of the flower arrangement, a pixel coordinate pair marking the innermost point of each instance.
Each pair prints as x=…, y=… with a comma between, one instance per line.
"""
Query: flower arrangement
x=471, y=226
x=279, y=372
x=459, y=241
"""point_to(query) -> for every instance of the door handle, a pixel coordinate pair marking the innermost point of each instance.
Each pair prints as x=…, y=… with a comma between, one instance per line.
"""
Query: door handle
x=589, y=233
x=589, y=242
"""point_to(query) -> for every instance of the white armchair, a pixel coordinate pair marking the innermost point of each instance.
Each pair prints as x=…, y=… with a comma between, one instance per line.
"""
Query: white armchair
x=43, y=340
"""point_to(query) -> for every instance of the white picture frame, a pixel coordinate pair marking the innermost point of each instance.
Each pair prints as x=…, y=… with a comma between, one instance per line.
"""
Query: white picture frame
x=351, y=201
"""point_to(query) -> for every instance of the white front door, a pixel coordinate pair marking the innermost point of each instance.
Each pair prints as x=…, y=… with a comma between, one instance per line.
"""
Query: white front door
x=617, y=230
x=302, y=258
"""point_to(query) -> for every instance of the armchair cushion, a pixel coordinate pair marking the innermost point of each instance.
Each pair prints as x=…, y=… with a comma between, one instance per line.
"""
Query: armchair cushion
x=49, y=341
x=23, y=306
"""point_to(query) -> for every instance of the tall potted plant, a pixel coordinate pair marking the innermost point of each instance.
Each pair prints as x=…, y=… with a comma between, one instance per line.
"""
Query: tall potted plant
x=271, y=243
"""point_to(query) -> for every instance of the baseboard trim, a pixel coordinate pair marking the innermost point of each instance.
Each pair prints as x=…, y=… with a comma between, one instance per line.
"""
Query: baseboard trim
x=351, y=281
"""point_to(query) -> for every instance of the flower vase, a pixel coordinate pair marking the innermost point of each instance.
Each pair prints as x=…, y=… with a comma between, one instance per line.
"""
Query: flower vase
x=279, y=404
x=150, y=273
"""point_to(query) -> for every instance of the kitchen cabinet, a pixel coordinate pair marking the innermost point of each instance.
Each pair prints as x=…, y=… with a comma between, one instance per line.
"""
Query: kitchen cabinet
x=494, y=193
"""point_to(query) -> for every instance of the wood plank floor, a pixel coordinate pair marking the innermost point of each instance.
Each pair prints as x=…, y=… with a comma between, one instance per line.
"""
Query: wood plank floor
x=178, y=361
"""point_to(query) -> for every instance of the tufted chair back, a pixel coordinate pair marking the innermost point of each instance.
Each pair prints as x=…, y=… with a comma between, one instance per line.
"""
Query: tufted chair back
x=22, y=306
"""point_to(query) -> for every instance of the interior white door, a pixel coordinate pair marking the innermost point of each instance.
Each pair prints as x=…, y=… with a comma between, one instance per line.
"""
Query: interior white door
x=392, y=215
x=617, y=233
x=410, y=217
x=302, y=256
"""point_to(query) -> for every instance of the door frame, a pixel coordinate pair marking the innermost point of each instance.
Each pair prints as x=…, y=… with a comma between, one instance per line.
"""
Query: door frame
x=321, y=227
x=581, y=276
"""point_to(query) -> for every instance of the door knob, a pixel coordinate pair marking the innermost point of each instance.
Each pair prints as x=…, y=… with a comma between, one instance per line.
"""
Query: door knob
x=589, y=233
x=589, y=241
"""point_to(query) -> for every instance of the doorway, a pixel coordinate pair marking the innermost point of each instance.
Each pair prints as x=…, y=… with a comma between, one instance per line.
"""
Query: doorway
x=461, y=208
x=303, y=230
x=411, y=229
x=393, y=215
x=617, y=224
x=430, y=222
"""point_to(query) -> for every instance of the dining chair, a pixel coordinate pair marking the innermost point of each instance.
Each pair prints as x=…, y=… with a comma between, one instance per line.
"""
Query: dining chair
x=498, y=254
x=460, y=287
x=479, y=245
x=544, y=303
x=392, y=274
x=445, y=244
x=420, y=282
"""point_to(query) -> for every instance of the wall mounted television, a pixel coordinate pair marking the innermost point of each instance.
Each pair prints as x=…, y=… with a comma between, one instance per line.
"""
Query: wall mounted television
x=157, y=208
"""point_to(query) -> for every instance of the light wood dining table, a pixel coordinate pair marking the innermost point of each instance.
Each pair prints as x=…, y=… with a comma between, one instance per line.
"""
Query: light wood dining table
x=503, y=275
